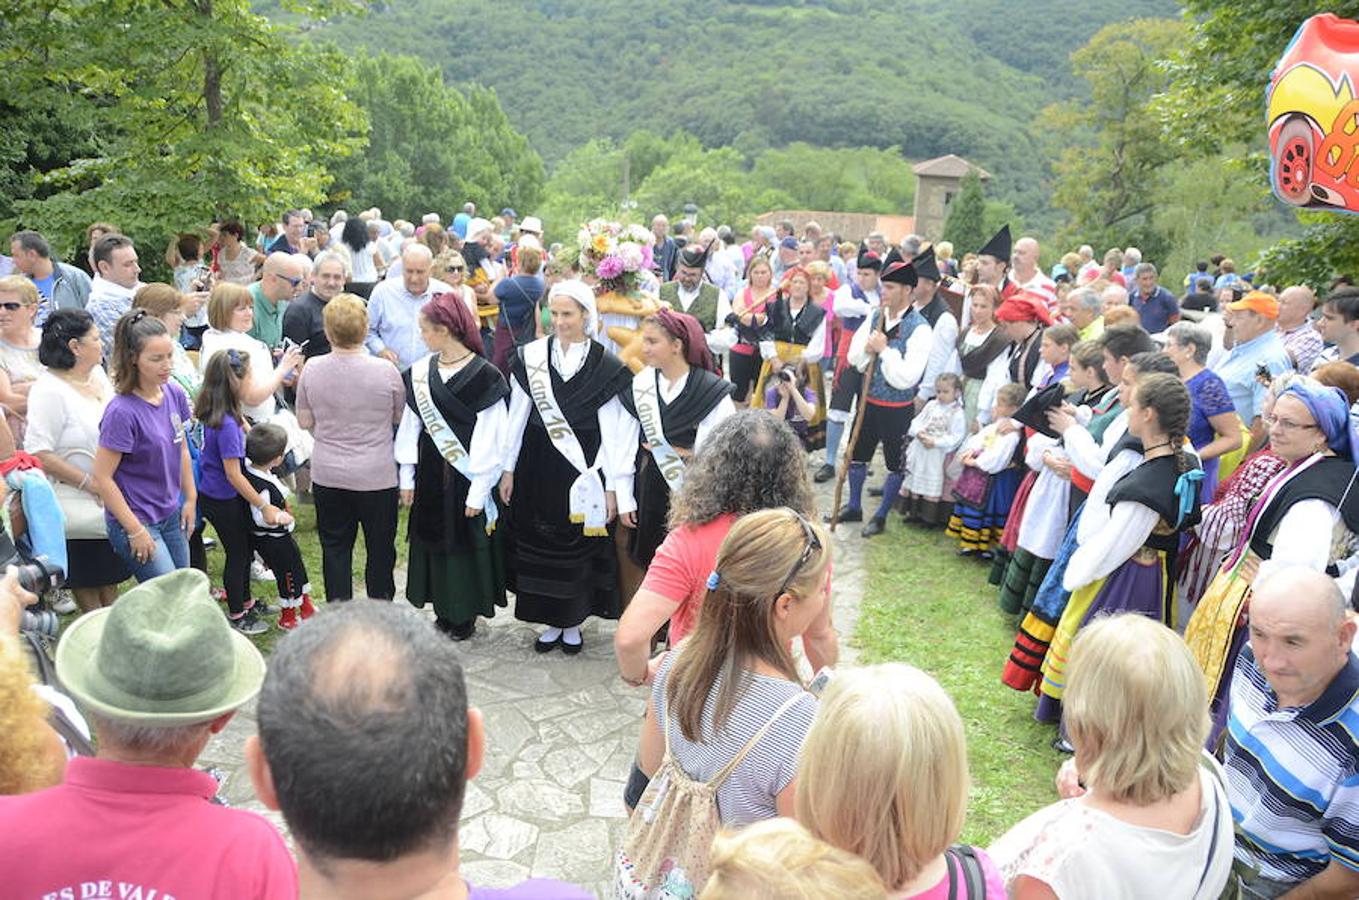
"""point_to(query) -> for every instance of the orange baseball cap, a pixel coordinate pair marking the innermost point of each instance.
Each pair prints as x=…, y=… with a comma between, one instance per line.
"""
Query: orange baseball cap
x=1257, y=302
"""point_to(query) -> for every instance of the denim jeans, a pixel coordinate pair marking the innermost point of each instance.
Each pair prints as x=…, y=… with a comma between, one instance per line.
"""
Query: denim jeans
x=172, y=547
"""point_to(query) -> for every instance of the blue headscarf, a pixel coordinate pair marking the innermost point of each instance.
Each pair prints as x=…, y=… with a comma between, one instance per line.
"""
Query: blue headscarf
x=1331, y=409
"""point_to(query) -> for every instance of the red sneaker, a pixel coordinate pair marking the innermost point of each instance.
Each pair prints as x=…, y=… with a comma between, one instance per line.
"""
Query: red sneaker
x=288, y=619
x=306, y=610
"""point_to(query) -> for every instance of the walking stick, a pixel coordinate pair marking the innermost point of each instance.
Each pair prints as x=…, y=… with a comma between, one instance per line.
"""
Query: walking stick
x=847, y=451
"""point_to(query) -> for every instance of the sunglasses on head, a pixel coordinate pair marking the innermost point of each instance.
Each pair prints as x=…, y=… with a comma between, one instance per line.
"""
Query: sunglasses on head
x=813, y=546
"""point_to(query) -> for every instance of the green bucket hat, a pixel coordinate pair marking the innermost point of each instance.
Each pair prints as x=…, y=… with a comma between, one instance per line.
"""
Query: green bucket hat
x=163, y=654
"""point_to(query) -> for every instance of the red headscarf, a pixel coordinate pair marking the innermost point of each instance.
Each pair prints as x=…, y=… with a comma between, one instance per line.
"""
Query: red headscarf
x=1024, y=306
x=448, y=310
x=788, y=276
x=687, y=330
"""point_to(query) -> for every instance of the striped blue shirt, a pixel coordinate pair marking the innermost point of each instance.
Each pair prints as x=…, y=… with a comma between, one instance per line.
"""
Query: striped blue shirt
x=1293, y=774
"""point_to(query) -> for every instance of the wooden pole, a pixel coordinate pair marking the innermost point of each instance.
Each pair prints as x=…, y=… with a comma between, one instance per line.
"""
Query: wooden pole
x=847, y=450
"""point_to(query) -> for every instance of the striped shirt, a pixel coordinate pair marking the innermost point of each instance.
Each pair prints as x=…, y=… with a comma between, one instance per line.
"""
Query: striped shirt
x=1293, y=774
x=749, y=795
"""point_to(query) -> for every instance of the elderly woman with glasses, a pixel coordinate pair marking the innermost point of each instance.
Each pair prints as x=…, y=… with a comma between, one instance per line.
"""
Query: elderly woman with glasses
x=1304, y=516
x=19, y=339
x=730, y=696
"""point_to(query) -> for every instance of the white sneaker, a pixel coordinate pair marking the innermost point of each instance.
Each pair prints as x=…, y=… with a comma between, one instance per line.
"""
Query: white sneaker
x=63, y=602
x=259, y=573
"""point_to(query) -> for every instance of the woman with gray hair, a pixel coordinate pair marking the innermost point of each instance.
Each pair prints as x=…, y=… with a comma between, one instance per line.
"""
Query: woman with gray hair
x=751, y=461
x=1214, y=426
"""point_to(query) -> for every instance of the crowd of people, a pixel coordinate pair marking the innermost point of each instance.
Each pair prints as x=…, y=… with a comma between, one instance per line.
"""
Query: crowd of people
x=622, y=430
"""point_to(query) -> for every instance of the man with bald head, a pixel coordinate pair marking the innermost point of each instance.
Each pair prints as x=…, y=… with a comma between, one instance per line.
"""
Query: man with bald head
x=1026, y=275
x=393, y=308
x=1292, y=744
x=1301, y=340
x=281, y=279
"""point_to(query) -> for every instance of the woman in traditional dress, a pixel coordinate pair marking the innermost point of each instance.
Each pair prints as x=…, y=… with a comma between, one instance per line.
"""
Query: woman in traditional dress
x=456, y=557
x=982, y=357
x=1129, y=529
x=677, y=399
x=749, y=310
x=1304, y=517
x=795, y=331
x=568, y=428
x=1046, y=510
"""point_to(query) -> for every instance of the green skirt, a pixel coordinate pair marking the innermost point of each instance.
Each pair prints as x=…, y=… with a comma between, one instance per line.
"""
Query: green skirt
x=461, y=585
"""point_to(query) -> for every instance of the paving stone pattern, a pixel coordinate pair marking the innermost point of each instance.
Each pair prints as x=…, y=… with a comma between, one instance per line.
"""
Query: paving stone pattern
x=562, y=733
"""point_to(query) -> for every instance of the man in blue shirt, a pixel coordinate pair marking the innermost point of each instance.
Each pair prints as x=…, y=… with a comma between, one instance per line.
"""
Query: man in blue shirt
x=61, y=286
x=294, y=238
x=1291, y=742
x=1255, y=344
x=393, y=309
x=1157, y=306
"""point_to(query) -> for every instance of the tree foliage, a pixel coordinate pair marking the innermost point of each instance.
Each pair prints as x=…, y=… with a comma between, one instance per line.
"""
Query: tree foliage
x=755, y=74
x=430, y=147
x=194, y=109
x=1112, y=154
x=653, y=173
x=966, y=224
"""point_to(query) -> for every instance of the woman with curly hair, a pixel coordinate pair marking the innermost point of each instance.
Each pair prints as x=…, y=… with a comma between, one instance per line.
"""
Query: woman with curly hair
x=751, y=461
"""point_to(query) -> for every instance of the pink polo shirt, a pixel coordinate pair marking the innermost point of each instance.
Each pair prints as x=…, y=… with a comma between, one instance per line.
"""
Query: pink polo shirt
x=680, y=569
x=113, y=831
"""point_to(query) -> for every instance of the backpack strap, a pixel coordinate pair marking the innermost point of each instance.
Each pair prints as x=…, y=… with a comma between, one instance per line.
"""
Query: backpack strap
x=716, y=781
x=971, y=870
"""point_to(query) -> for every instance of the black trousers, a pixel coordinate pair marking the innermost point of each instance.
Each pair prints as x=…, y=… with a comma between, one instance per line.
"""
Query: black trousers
x=283, y=557
x=339, y=515
x=886, y=425
x=231, y=520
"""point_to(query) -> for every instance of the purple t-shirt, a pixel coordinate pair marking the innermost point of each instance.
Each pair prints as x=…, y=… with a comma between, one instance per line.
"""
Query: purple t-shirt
x=533, y=889
x=226, y=442
x=151, y=439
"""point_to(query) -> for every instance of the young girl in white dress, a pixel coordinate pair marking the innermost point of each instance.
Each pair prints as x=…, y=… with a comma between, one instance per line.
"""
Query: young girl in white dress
x=937, y=431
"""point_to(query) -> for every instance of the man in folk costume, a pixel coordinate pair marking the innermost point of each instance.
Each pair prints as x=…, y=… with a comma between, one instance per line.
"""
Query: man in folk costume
x=935, y=310
x=993, y=263
x=691, y=293
x=900, y=338
x=569, y=432
x=853, y=303
x=1024, y=316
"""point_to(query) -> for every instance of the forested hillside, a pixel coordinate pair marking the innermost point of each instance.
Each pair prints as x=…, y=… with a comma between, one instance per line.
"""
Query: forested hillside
x=928, y=76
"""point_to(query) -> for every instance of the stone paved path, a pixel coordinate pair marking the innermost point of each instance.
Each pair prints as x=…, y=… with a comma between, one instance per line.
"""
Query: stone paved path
x=562, y=733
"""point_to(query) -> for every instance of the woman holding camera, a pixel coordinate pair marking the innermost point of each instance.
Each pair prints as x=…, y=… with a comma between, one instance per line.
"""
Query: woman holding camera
x=792, y=400
x=63, y=433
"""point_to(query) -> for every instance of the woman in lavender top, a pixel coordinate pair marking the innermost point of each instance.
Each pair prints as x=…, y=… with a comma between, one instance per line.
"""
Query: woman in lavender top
x=142, y=469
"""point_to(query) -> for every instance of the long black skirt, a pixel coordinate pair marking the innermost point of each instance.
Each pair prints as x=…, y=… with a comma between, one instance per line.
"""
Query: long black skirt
x=558, y=575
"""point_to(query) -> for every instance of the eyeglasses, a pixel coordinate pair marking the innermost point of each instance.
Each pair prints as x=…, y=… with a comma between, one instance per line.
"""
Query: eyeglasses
x=813, y=546
x=1286, y=425
x=292, y=282
x=11, y=306
x=457, y=268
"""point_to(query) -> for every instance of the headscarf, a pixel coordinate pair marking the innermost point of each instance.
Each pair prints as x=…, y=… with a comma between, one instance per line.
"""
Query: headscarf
x=1024, y=306
x=448, y=309
x=584, y=295
x=790, y=274
x=689, y=332
x=1330, y=409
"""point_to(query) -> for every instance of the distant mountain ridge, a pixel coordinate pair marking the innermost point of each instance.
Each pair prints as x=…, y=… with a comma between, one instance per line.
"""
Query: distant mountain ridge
x=930, y=77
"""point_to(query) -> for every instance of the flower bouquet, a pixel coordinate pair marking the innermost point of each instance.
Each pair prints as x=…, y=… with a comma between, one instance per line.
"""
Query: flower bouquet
x=616, y=254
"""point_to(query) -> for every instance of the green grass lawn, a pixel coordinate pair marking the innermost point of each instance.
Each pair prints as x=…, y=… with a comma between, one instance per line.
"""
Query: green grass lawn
x=926, y=606
x=305, y=533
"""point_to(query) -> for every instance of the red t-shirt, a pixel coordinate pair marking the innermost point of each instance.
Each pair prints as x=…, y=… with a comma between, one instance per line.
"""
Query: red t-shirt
x=680, y=569
x=113, y=830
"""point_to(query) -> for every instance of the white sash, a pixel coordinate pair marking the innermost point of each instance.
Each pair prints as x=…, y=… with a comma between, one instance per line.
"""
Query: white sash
x=442, y=434
x=586, y=501
x=646, y=396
